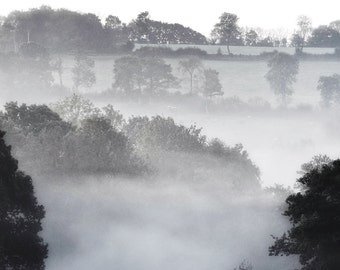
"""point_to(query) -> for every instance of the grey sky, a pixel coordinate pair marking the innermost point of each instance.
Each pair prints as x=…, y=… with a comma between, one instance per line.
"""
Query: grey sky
x=199, y=15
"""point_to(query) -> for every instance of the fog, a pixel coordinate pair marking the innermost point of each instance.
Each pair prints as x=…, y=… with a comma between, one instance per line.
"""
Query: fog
x=105, y=223
x=184, y=170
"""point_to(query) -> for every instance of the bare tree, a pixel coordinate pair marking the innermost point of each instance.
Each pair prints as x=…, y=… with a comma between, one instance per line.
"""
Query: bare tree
x=304, y=24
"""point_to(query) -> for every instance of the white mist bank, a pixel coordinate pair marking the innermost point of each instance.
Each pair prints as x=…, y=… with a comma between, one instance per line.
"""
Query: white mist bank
x=106, y=223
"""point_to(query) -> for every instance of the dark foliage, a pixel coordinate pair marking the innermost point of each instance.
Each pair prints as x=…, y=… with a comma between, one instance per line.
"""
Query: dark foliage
x=21, y=247
x=314, y=215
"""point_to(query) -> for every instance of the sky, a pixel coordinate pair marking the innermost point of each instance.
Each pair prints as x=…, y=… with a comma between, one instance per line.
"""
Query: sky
x=199, y=15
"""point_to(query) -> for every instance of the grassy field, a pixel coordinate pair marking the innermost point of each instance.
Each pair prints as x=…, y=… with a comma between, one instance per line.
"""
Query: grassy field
x=243, y=79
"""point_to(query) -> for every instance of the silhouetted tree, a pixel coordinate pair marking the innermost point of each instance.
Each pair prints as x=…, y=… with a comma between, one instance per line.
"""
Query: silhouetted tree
x=21, y=247
x=112, y=22
x=298, y=42
x=157, y=75
x=265, y=42
x=226, y=29
x=128, y=74
x=251, y=38
x=145, y=30
x=148, y=75
x=211, y=84
x=314, y=216
x=283, y=69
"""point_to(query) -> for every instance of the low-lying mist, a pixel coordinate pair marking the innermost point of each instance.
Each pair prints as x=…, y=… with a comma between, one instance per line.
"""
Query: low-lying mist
x=116, y=223
x=278, y=141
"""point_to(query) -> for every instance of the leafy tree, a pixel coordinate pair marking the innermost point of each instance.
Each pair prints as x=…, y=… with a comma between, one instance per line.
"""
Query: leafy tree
x=148, y=75
x=284, y=42
x=117, y=35
x=314, y=216
x=31, y=118
x=265, y=42
x=128, y=74
x=141, y=27
x=145, y=30
x=46, y=143
x=211, y=85
x=324, y=36
x=191, y=65
x=251, y=38
x=115, y=117
x=157, y=75
x=297, y=42
x=227, y=29
x=59, y=30
x=329, y=87
x=164, y=133
x=335, y=25
x=20, y=217
x=75, y=109
x=283, y=69
x=100, y=148
x=316, y=163
x=112, y=22
x=83, y=74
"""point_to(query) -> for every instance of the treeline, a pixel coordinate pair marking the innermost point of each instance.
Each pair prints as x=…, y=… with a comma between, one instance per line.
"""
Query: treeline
x=63, y=30
x=82, y=138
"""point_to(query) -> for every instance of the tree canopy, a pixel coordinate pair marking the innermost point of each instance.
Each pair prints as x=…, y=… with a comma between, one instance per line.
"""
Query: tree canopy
x=315, y=222
x=143, y=75
x=227, y=30
x=21, y=247
x=283, y=69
